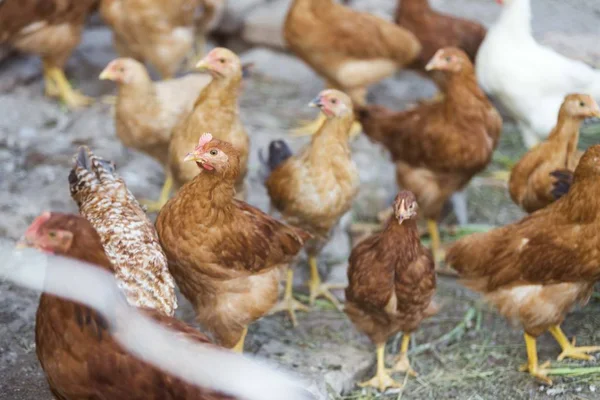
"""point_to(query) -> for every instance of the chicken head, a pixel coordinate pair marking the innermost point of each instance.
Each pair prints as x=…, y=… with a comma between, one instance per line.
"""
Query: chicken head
x=333, y=103
x=581, y=106
x=221, y=63
x=42, y=235
x=123, y=70
x=450, y=59
x=215, y=156
x=405, y=206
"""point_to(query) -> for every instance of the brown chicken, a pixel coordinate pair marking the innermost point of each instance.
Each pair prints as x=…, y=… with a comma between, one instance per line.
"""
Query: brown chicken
x=391, y=286
x=315, y=188
x=216, y=111
x=438, y=147
x=225, y=255
x=435, y=31
x=50, y=29
x=147, y=112
x=154, y=31
x=76, y=350
x=535, y=270
x=351, y=50
x=531, y=183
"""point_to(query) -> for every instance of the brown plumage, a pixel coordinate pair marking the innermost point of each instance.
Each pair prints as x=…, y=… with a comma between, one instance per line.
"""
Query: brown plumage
x=535, y=270
x=438, y=147
x=531, y=182
x=128, y=236
x=350, y=49
x=50, y=29
x=225, y=255
x=154, y=31
x=435, y=31
x=316, y=187
x=216, y=111
x=391, y=281
x=79, y=356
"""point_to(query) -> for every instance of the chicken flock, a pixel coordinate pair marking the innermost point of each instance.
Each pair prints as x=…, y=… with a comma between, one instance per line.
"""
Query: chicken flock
x=228, y=258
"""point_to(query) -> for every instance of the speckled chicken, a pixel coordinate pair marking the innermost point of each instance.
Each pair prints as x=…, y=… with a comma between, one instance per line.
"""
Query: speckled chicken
x=147, y=112
x=531, y=183
x=74, y=344
x=225, y=255
x=391, y=286
x=154, y=31
x=316, y=187
x=128, y=236
x=534, y=271
x=50, y=29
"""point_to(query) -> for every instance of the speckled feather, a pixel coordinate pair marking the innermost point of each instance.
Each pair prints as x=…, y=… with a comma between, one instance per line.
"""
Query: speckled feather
x=128, y=236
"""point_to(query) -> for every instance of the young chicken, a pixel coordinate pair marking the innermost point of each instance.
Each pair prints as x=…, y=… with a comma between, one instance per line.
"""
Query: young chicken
x=147, y=112
x=50, y=29
x=216, y=110
x=154, y=31
x=435, y=31
x=438, y=147
x=391, y=286
x=74, y=345
x=351, y=50
x=529, y=80
x=535, y=270
x=225, y=255
x=129, y=238
x=316, y=187
x=531, y=183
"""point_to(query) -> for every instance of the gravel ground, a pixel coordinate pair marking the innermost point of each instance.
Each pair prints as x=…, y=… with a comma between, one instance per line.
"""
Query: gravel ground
x=38, y=138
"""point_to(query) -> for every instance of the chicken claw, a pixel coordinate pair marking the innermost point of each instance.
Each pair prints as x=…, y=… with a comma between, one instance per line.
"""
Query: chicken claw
x=288, y=303
x=57, y=85
x=318, y=289
x=537, y=371
x=569, y=348
x=382, y=380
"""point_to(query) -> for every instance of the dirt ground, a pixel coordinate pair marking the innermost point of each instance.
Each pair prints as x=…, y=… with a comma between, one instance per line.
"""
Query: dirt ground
x=465, y=352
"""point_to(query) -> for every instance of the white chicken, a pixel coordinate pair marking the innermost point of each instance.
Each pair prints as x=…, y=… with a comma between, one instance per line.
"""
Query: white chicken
x=528, y=79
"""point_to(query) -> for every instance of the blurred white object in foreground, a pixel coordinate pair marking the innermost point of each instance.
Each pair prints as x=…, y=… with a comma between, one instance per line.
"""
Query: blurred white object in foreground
x=151, y=342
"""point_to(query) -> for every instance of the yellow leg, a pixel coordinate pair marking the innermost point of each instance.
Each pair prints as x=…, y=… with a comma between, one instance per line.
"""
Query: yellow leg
x=239, y=347
x=317, y=288
x=436, y=246
x=155, y=206
x=569, y=348
x=382, y=380
x=501, y=175
x=288, y=303
x=402, y=362
x=535, y=370
x=57, y=85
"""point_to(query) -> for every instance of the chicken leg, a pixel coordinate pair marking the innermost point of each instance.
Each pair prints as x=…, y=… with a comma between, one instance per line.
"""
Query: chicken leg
x=155, y=206
x=318, y=289
x=57, y=85
x=239, y=347
x=436, y=244
x=569, y=349
x=402, y=362
x=288, y=303
x=382, y=380
x=532, y=366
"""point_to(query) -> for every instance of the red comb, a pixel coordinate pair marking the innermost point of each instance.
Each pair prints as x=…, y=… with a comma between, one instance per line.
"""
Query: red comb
x=204, y=140
x=38, y=222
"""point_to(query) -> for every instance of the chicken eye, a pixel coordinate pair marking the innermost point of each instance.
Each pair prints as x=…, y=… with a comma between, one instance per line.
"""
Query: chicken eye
x=222, y=60
x=214, y=152
x=51, y=234
x=581, y=104
x=448, y=58
x=333, y=101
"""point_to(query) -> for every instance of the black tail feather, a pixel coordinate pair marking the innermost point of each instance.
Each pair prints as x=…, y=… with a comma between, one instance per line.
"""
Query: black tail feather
x=563, y=182
x=279, y=151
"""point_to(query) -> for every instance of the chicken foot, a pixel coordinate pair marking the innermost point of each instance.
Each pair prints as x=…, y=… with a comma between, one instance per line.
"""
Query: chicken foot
x=289, y=303
x=402, y=363
x=57, y=85
x=239, y=347
x=155, y=206
x=382, y=380
x=318, y=289
x=569, y=350
x=537, y=371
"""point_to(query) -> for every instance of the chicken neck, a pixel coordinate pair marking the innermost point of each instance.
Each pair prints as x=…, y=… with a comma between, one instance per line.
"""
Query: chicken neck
x=515, y=19
x=413, y=9
x=221, y=93
x=463, y=95
x=210, y=196
x=331, y=139
x=140, y=90
x=410, y=242
x=566, y=133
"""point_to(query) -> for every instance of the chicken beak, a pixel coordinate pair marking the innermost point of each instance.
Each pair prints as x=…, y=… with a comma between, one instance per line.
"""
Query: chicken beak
x=432, y=64
x=316, y=102
x=190, y=157
x=106, y=74
x=23, y=243
x=203, y=66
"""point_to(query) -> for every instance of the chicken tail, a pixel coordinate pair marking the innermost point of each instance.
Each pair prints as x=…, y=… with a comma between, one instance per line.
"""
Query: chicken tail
x=562, y=184
x=278, y=152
